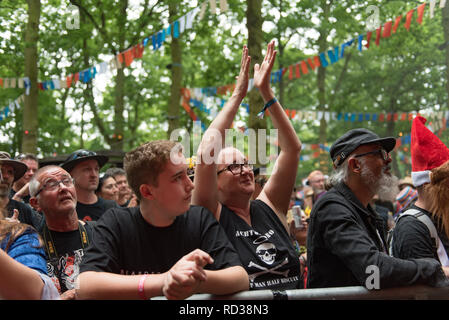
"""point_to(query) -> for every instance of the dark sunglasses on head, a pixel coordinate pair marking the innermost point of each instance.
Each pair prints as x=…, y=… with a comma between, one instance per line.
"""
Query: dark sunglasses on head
x=82, y=154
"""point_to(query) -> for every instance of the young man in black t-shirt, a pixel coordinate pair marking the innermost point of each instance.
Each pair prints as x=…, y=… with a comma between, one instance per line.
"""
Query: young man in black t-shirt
x=165, y=246
x=65, y=237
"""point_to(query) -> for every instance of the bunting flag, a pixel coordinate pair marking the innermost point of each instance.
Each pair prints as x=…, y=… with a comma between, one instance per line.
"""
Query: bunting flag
x=122, y=59
x=204, y=99
x=330, y=57
x=7, y=110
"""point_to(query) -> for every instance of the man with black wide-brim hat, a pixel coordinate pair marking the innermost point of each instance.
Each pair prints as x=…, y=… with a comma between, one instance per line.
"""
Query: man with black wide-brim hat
x=10, y=171
x=345, y=242
x=84, y=166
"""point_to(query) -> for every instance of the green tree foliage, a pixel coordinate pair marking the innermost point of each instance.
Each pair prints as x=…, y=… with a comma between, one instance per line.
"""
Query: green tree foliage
x=407, y=72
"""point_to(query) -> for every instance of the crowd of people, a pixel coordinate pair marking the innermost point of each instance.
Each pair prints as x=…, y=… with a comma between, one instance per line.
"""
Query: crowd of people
x=164, y=225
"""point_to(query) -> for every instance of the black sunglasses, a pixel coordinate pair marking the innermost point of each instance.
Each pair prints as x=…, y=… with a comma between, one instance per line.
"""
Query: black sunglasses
x=236, y=168
x=384, y=154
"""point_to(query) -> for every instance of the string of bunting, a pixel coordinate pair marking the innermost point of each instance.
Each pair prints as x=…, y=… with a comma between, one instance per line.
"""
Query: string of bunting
x=125, y=58
x=330, y=57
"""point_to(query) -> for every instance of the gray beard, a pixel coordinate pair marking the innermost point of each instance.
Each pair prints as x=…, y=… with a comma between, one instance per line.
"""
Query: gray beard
x=385, y=186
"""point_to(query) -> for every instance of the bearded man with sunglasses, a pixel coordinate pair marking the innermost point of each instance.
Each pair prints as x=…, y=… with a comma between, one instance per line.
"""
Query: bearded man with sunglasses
x=345, y=242
x=257, y=229
x=52, y=191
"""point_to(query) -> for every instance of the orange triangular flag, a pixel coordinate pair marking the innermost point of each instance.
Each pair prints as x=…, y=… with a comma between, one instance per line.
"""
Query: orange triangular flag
x=409, y=19
x=421, y=12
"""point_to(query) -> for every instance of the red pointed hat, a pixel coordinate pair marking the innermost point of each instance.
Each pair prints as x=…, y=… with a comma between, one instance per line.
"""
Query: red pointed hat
x=428, y=152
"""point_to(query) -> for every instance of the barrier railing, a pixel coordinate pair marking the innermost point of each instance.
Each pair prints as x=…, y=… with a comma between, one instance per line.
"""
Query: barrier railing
x=418, y=292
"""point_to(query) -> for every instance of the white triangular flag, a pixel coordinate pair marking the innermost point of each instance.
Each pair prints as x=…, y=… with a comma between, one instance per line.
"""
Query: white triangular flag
x=113, y=64
x=182, y=24
x=190, y=17
x=203, y=10
x=442, y=3
x=56, y=83
x=13, y=83
x=250, y=84
x=223, y=6
x=432, y=7
x=103, y=67
x=213, y=7
x=21, y=83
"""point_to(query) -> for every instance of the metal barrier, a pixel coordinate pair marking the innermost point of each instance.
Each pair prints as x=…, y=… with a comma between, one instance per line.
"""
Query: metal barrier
x=418, y=292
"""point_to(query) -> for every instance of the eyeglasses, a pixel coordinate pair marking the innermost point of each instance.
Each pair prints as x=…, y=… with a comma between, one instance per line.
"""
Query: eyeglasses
x=51, y=185
x=384, y=154
x=236, y=168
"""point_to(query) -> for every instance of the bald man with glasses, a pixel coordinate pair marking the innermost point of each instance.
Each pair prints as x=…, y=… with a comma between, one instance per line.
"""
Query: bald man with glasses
x=346, y=240
x=53, y=192
x=257, y=228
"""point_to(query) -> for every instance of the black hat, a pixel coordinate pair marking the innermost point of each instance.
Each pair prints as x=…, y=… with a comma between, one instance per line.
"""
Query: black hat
x=19, y=167
x=354, y=138
x=82, y=155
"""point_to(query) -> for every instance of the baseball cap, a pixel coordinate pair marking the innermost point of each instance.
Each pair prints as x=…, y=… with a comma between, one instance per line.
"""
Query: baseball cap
x=354, y=138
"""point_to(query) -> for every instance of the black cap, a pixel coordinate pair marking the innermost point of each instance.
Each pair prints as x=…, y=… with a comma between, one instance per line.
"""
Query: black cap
x=82, y=155
x=354, y=138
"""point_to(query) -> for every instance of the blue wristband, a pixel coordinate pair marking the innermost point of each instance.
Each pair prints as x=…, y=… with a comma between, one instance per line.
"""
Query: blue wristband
x=265, y=107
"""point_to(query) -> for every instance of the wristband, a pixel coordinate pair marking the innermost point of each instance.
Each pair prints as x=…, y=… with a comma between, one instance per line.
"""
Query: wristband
x=265, y=107
x=141, y=288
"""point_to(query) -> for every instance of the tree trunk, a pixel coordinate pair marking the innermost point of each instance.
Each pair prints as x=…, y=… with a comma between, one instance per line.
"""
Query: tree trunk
x=176, y=76
x=119, y=106
x=445, y=22
x=30, y=110
x=255, y=39
x=321, y=82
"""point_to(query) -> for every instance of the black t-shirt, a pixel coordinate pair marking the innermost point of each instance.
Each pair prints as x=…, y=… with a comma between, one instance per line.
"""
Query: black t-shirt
x=26, y=214
x=64, y=264
x=124, y=243
x=93, y=212
x=264, y=248
x=411, y=238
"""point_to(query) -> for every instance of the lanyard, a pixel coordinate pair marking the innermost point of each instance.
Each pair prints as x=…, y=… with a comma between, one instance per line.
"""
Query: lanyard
x=50, y=245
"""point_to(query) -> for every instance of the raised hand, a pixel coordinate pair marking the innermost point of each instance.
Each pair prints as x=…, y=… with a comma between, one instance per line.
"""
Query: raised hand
x=241, y=87
x=262, y=72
